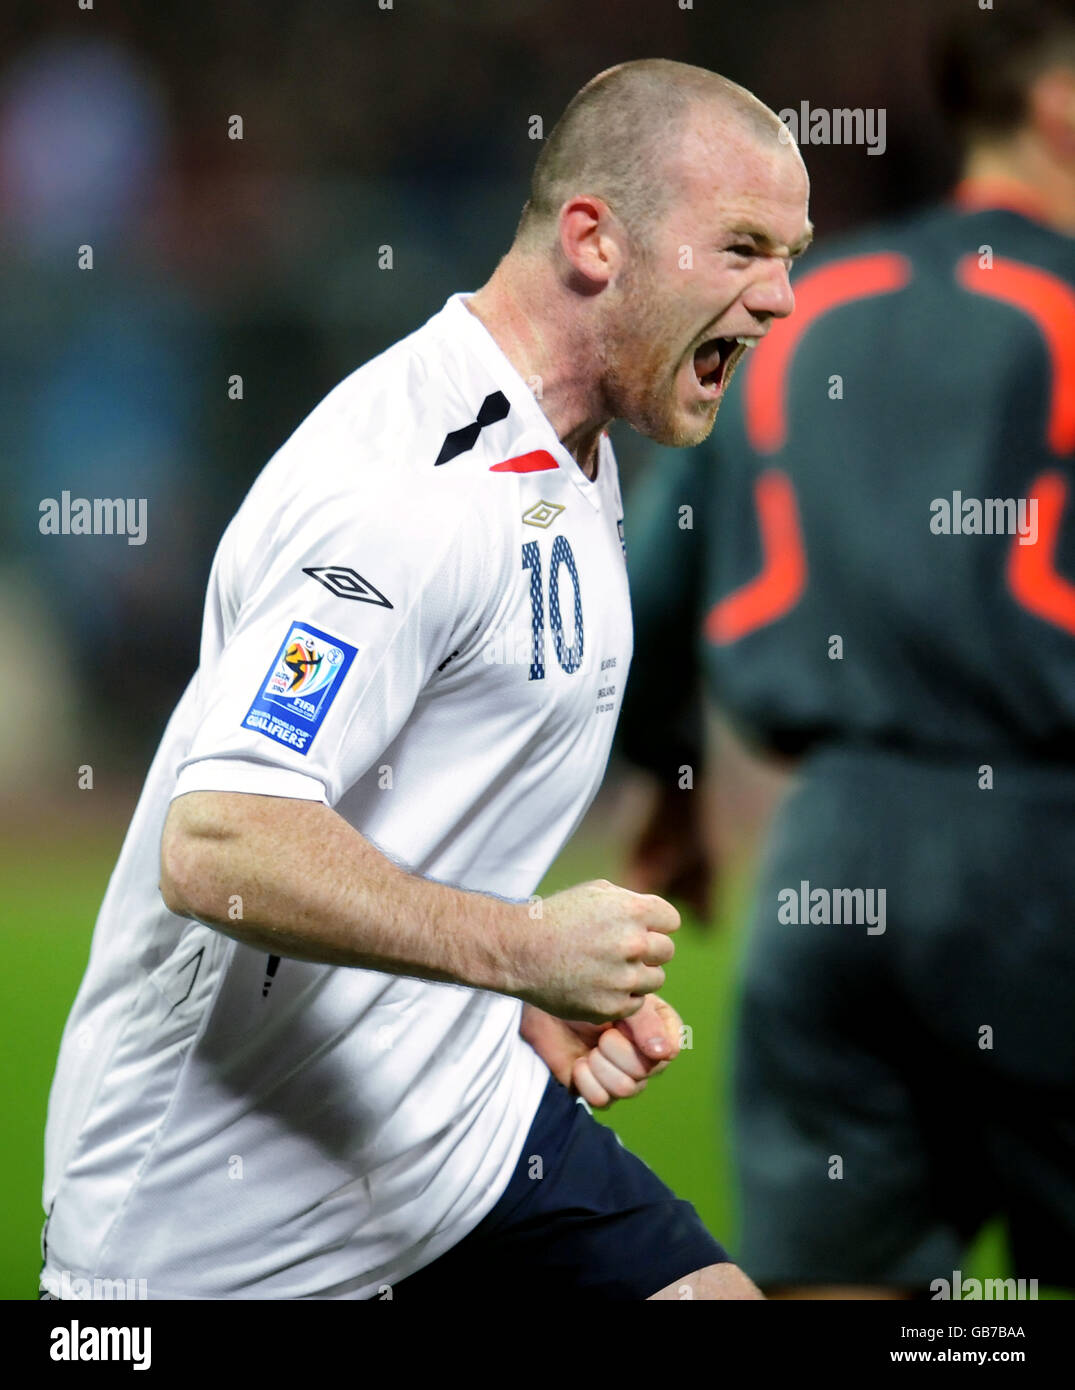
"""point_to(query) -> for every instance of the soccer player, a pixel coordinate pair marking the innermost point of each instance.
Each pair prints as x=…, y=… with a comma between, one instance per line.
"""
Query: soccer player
x=880, y=581
x=329, y=1057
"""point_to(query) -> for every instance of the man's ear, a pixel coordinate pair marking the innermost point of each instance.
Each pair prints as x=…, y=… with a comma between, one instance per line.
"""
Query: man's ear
x=591, y=240
x=1051, y=110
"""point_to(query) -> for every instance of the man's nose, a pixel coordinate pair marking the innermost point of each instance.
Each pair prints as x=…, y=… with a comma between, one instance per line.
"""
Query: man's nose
x=771, y=295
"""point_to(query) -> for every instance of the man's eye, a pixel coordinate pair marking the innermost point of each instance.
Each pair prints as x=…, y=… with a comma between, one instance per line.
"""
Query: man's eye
x=743, y=250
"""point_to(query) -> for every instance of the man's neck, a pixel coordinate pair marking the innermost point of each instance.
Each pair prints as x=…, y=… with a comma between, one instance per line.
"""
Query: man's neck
x=528, y=314
x=1026, y=167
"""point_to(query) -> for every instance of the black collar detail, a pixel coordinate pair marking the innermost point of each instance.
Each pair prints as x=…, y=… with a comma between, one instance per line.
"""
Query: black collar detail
x=495, y=407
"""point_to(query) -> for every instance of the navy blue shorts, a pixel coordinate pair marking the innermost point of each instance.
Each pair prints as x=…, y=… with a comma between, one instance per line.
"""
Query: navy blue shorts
x=581, y=1216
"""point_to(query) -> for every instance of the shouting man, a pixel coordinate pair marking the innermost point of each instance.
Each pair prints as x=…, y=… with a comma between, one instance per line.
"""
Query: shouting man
x=327, y=1042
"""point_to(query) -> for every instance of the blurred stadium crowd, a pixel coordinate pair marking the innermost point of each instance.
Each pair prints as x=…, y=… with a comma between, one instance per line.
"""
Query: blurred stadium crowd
x=213, y=257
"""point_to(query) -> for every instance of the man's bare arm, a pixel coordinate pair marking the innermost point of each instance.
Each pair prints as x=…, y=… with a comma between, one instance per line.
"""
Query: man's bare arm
x=313, y=888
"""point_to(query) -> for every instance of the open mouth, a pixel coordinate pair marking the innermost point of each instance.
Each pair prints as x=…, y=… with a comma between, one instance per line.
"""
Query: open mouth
x=715, y=359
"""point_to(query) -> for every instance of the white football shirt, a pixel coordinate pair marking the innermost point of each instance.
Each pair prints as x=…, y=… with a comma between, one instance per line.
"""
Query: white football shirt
x=419, y=616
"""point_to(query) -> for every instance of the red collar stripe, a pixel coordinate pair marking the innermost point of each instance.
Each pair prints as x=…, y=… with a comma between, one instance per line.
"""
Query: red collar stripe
x=538, y=461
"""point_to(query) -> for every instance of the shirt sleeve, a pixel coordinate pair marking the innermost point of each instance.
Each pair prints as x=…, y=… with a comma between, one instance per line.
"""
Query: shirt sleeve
x=326, y=634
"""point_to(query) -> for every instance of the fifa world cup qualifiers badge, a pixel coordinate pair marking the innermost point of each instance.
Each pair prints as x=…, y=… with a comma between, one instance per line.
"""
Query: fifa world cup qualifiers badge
x=300, y=687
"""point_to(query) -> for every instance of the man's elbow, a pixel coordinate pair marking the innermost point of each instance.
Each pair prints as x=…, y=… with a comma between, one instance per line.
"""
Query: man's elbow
x=189, y=870
x=179, y=875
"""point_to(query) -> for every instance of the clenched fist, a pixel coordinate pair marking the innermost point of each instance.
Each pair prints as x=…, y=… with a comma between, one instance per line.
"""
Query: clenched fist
x=593, y=952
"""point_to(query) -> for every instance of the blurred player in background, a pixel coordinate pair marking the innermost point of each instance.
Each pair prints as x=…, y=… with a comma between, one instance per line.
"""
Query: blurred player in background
x=878, y=579
x=415, y=631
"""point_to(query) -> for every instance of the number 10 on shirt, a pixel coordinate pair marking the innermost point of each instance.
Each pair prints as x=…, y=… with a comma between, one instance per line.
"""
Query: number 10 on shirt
x=568, y=656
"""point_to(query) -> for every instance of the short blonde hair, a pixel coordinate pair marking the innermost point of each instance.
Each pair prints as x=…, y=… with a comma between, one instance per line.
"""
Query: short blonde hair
x=616, y=138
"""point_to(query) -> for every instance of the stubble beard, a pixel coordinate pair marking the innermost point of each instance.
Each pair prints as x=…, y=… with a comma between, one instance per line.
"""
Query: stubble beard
x=639, y=380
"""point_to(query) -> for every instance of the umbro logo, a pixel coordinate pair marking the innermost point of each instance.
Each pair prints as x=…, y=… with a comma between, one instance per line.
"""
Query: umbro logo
x=542, y=514
x=345, y=582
